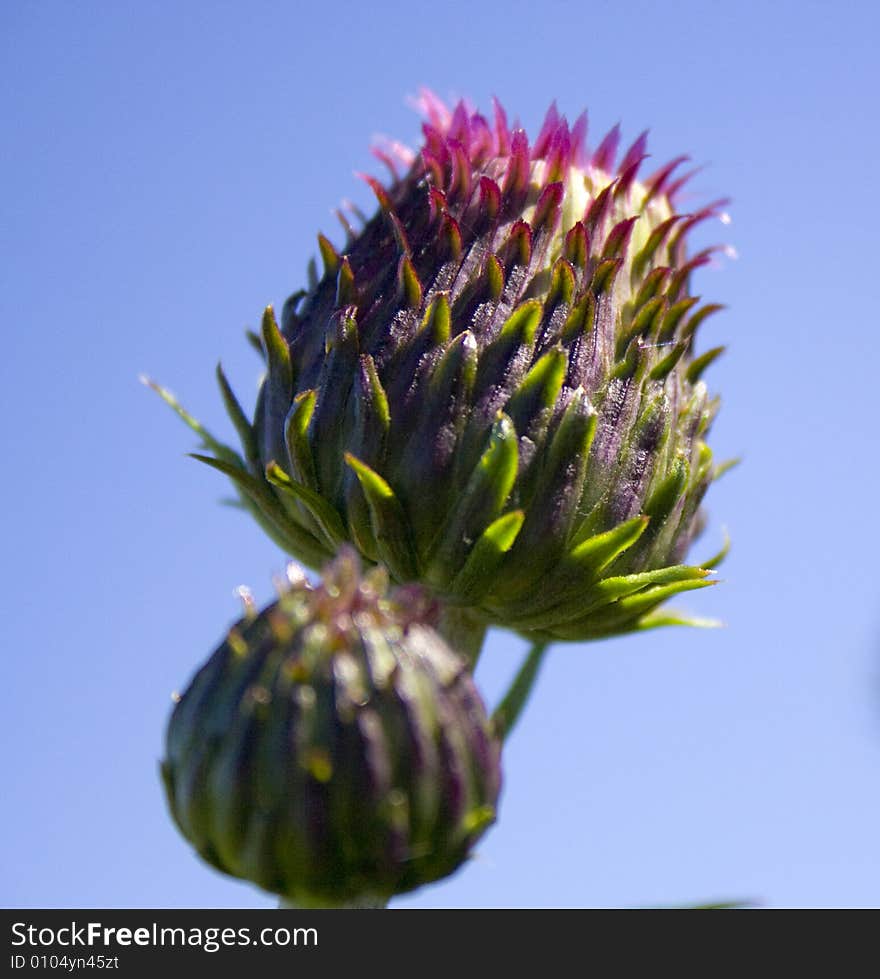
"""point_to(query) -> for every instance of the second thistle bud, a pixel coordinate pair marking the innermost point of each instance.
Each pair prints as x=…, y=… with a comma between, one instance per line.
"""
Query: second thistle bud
x=333, y=749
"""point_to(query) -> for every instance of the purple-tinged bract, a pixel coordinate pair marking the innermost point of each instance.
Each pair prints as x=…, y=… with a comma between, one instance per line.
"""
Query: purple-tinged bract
x=493, y=387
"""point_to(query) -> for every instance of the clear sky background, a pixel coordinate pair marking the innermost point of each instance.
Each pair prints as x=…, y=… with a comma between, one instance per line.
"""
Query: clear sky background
x=165, y=168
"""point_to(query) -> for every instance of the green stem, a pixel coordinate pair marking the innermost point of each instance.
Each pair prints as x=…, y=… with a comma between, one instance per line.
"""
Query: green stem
x=507, y=712
x=365, y=902
x=463, y=631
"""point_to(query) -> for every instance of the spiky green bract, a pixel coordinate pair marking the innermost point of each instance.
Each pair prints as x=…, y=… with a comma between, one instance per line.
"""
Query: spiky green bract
x=494, y=389
x=333, y=749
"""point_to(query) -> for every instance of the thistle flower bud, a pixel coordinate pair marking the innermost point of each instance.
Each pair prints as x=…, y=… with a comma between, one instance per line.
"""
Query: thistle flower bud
x=333, y=749
x=493, y=388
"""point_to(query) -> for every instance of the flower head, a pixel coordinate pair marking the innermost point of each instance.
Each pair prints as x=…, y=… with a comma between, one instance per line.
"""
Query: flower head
x=494, y=387
x=333, y=748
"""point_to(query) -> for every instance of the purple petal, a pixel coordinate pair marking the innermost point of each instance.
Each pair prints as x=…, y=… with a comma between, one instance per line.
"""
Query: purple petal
x=603, y=158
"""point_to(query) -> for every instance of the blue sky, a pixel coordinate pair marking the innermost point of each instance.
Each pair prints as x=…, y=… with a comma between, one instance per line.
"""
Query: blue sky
x=165, y=168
